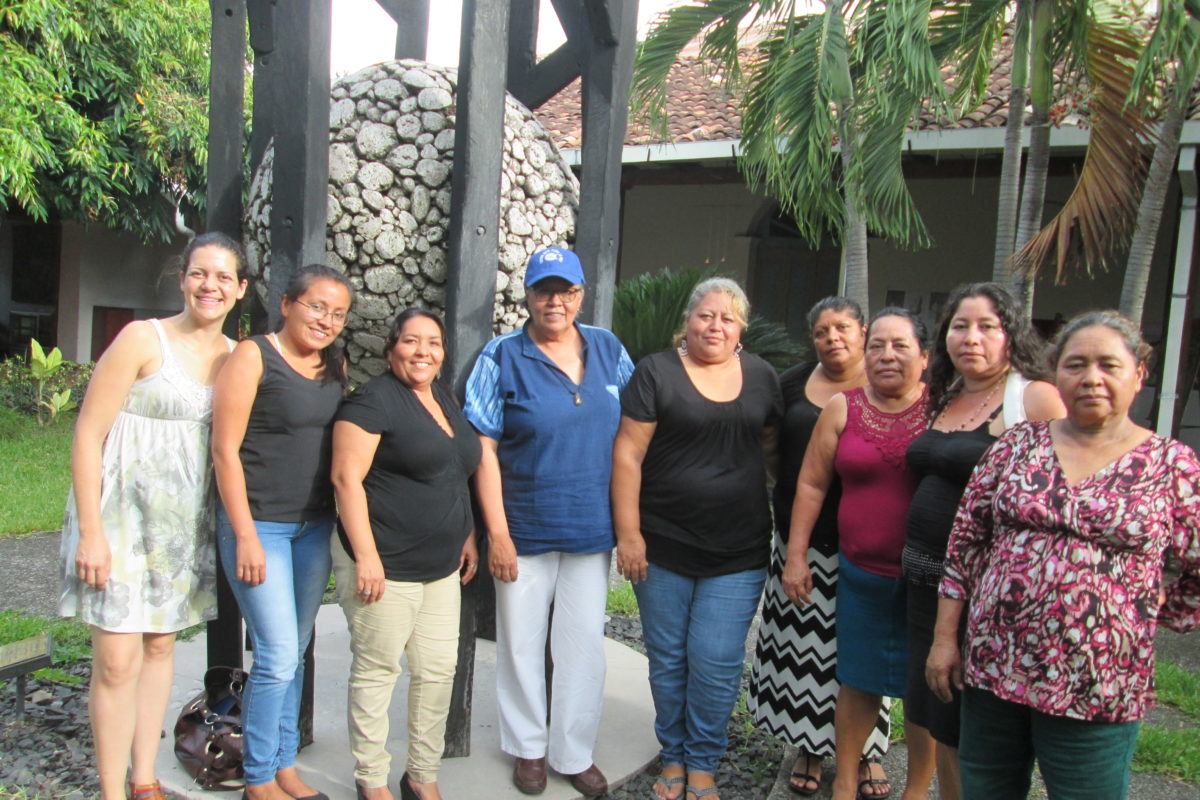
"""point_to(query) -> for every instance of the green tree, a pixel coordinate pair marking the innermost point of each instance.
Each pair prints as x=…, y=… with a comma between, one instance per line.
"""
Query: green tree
x=1166, y=73
x=1094, y=46
x=103, y=110
x=854, y=74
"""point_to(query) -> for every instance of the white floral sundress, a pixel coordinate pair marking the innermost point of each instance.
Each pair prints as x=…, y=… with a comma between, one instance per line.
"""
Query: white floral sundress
x=156, y=505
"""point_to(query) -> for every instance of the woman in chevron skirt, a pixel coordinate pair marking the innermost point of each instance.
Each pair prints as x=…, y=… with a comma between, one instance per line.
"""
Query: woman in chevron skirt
x=793, y=688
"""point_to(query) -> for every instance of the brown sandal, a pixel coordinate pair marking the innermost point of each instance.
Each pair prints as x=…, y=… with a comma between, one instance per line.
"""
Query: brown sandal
x=147, y=791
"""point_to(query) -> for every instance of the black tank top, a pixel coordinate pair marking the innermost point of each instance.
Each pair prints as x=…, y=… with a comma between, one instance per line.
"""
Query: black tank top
x=288, y=448
x=943, y=462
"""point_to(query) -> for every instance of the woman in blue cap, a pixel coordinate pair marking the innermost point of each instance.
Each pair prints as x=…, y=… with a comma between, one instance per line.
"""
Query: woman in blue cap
x=544, y=400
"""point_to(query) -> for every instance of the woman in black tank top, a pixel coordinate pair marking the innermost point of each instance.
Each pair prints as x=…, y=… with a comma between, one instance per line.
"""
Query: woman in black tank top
x=986, y=374
x=273, y=412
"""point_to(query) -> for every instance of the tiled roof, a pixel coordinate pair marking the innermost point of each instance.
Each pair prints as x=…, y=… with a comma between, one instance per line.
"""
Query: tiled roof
x=700, y=109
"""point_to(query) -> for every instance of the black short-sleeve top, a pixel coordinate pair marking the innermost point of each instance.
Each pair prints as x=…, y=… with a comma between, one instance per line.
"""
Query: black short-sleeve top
x=417, y=496
x=704, y=504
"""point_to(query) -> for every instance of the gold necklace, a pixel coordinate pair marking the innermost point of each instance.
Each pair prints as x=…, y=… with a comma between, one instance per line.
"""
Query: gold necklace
x=969, y=423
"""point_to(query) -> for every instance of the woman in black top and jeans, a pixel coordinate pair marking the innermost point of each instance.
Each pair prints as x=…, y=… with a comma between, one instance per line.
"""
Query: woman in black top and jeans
x=273, y=408
x=402, y=456
x=694, y=526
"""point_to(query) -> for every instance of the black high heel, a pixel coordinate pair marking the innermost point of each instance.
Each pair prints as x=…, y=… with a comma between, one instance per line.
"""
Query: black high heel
x=407, y=792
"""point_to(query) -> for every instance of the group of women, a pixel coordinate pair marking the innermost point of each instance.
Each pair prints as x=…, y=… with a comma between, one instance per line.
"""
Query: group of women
x=965, y=525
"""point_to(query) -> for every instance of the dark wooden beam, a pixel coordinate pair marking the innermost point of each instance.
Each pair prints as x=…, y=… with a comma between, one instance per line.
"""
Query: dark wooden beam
x=548, y=77
x=607, y=76
x=572, y=18
x=473, y=256
x=265, y=99
x=531, y=81
x=298, y=204
x=603, y=20
x=226, y=79
x=262, y=25
x=224, y=213
x=522, y=41
x=412, y=26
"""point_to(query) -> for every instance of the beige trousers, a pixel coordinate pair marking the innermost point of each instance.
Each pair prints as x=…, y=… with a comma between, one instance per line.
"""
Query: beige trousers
x=417, y=620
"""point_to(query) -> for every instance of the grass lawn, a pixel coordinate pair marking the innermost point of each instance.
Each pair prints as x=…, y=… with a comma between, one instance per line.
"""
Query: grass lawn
x=1172, y=752
x=35, y=472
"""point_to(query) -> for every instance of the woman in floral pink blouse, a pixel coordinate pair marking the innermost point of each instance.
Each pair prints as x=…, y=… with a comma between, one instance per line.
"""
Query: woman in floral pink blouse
x=1059, y=546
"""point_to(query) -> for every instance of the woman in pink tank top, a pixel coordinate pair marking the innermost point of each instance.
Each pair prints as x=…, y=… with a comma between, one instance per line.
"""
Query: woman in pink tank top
x=862, y=436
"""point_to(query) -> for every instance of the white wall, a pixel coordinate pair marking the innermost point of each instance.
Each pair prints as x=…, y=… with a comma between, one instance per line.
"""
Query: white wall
x=100, y=267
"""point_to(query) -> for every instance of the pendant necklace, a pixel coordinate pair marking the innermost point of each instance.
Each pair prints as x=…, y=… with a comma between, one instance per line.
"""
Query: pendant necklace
x=572, y=389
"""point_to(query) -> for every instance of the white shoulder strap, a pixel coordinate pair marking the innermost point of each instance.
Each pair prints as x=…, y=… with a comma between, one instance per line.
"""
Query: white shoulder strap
x=163, y=342
x=1014, y=398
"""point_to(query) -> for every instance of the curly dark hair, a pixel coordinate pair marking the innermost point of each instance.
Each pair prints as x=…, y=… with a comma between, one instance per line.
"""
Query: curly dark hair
x=1026, y=351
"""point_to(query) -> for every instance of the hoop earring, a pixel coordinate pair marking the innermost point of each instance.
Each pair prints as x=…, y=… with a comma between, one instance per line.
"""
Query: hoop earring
x=737, y=351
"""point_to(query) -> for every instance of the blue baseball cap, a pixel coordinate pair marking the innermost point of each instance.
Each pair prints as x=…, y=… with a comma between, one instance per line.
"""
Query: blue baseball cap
x=554, y=262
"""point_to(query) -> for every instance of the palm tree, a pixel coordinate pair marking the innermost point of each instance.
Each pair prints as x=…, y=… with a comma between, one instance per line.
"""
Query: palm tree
x=855, y=73
x=1094, y=45
x=1170, y=60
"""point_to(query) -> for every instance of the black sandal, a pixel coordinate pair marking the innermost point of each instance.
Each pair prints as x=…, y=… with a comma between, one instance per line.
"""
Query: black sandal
x=804, y=777
x=874, y=783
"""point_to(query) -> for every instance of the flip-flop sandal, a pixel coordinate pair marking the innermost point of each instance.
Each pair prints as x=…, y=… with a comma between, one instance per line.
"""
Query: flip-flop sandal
x=801, y=778
x=872, y=782
x=668, y=782
x=705, y=792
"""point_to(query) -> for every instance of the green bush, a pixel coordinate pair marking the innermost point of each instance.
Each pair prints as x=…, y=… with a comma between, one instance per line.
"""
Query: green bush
x=18, y=389
x=648, y=312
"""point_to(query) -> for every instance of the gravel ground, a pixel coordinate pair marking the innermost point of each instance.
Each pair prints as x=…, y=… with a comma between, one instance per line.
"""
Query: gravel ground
x=49, y=752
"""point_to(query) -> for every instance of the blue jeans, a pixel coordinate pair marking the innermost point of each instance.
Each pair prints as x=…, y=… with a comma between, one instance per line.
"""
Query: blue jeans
x=279, y=614
x=695, y=631
x=1079, y=760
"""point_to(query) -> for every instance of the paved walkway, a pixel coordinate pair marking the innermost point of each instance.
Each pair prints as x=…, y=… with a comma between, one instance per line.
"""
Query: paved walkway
x=29, y=577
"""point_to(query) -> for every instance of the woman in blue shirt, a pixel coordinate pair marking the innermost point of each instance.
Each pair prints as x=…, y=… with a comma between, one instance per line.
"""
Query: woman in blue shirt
x=545, y=401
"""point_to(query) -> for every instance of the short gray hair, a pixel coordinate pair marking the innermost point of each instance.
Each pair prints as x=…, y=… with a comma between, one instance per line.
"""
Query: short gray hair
x=1115, y=321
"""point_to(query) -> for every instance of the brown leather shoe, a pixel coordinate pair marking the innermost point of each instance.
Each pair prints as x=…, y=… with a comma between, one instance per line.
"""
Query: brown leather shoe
x=590, y=783
x=529, y=775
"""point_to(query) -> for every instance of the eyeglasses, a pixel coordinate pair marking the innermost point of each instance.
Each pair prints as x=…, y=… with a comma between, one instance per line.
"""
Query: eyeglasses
x=319, y=311
x=568, y=296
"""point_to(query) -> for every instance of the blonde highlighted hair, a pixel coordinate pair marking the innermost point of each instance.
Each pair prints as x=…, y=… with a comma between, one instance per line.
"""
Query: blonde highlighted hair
x=726, y=286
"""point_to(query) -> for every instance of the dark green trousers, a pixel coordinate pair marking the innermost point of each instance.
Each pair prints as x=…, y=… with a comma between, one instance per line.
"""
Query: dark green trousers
x=1079, y=760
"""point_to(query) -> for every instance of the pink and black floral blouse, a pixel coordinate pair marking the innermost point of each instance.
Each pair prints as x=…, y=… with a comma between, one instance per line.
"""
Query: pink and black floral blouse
x=1063, y=581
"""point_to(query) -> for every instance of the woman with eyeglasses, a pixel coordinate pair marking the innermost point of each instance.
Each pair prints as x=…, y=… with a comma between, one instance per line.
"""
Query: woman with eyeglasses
x=273, y=410
x=544, y=400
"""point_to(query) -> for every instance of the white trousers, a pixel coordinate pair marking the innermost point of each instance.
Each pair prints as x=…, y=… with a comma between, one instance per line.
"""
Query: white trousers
x=578, y=587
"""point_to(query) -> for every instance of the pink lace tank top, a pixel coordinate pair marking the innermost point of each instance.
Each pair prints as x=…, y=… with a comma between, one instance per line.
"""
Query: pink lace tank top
x=876, y=484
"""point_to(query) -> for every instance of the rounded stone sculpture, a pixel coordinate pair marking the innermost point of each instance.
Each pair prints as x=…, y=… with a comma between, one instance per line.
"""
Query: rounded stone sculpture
x=391, y=149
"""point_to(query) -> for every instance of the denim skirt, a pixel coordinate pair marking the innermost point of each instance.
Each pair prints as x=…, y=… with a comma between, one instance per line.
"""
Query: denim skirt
x=872, y=631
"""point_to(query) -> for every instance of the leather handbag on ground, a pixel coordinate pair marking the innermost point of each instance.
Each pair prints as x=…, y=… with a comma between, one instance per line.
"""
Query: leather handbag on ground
x=208, y=733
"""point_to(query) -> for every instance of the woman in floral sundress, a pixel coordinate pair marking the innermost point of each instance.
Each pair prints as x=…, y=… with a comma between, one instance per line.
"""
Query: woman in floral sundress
x=1059, y=545
x=138, y=546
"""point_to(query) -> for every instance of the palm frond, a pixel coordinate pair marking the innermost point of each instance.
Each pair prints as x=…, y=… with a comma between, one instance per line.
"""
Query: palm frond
x=648, y=310
x=1173, y=48
x=1101, y=211
x=966, y=33
x=788, y=122
x=716, y=24
x=771, y=342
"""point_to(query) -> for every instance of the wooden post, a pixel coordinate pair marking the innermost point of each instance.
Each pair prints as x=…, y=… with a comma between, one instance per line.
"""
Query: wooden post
x=224, y=214
x=607, y=75
x=262, y=42
x=300, y=86
x=301, y=175
x=473, y=256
